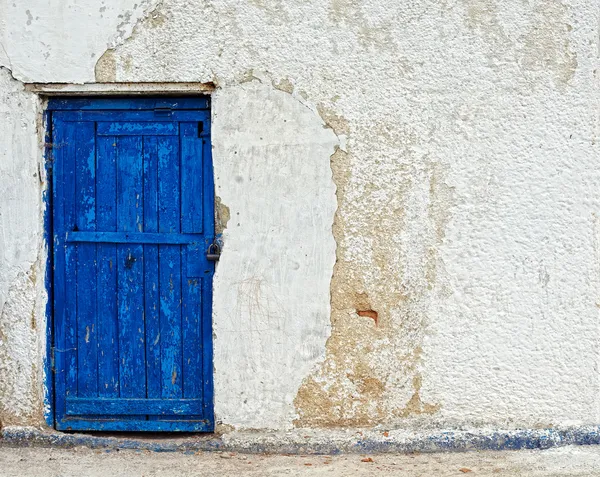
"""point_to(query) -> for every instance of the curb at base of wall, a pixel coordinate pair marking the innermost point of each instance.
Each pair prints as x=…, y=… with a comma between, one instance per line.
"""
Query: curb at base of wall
x=311, y=441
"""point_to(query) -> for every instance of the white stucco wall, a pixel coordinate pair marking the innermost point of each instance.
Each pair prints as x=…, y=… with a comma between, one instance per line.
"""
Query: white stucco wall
x=22, y=256
x=467, y=192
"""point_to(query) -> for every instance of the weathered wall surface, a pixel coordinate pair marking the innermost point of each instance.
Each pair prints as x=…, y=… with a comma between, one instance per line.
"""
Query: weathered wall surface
x=61, y=41
x=465, y=290
x=22, y=257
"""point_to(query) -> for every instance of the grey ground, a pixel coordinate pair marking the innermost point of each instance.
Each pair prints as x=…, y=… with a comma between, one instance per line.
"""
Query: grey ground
x=81, y=462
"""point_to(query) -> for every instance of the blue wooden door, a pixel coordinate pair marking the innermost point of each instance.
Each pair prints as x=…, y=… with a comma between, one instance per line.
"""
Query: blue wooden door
x=133, y=217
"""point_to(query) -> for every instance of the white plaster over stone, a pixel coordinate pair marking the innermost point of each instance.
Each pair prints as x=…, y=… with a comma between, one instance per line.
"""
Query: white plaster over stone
x=271, y=290
x=61, y=41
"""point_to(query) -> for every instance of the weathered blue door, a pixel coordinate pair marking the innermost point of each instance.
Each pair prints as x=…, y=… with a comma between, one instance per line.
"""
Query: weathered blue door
x=132, y=221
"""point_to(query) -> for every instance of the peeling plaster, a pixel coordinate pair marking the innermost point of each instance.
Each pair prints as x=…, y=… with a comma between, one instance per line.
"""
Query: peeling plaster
x=105, y=68
x=20, y=396
x=60, y=42
x=541, y=47
x=222, y=215
x=357, y=385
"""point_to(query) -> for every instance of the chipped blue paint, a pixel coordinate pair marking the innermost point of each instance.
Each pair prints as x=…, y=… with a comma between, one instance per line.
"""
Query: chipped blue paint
x=116, y=104
x=137, y=128
x=47, y=200
x=133, y=202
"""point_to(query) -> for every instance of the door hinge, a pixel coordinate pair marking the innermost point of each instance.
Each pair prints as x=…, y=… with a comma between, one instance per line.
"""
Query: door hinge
x=52, y=359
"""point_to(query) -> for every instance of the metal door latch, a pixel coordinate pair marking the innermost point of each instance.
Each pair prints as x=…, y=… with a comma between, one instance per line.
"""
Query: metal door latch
x=214, y=252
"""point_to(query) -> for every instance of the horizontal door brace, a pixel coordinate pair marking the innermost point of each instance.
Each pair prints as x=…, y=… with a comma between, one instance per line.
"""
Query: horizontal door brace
x=124, y=407
x=134, y=237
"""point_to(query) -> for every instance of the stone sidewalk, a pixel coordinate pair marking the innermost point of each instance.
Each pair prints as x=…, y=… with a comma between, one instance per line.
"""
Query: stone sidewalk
x=84, y=462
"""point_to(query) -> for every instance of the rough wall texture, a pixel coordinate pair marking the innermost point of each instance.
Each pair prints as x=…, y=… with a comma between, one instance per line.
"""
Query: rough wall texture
x=22, y=295
x=466, y=285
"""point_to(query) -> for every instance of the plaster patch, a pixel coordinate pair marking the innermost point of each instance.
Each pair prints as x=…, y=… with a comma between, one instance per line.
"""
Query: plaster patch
x=271, y=289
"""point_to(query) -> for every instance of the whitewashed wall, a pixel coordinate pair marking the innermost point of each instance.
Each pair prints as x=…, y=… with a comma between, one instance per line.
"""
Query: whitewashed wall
x=467, y=189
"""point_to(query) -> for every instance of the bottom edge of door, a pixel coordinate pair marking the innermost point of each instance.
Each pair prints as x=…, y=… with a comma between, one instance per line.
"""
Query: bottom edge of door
x=135, y=426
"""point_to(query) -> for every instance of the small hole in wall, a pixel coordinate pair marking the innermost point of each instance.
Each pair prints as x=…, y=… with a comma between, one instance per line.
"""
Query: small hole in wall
x=368, y=314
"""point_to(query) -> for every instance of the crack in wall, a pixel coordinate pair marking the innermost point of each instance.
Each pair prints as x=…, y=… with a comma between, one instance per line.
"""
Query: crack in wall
x=7, y=59
x=10, y=73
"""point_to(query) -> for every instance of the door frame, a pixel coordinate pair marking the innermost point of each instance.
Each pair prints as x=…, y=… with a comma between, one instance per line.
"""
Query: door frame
x=142, y=95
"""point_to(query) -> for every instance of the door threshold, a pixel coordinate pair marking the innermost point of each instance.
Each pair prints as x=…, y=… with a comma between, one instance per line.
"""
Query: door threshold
x=150, y=441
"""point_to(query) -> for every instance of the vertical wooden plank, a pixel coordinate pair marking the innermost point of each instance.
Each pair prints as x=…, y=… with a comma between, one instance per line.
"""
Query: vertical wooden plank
x=192, y=193
x=207, y=349
x=192, y=339
x=191, y=178
x=130, y=268
x=48, y=365
x=59, y=137
x=170, y=267
x=106, y=203
x=70, y=303
x=85, y=206
x=151, y=280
